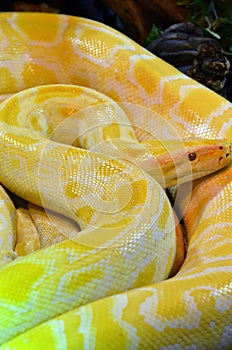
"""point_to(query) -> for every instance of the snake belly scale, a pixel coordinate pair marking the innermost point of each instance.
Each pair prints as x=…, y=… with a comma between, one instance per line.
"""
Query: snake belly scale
x=192, y=310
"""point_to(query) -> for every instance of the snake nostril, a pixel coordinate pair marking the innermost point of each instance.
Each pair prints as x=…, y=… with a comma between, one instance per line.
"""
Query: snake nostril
x=220, y=159
x=227, y=154
x=221, y=147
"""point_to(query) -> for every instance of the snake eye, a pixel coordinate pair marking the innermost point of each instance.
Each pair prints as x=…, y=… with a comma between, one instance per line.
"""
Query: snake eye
x=192, y=156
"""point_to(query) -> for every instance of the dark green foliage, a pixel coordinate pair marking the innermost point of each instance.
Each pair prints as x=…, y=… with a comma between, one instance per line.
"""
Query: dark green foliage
x=214, y=17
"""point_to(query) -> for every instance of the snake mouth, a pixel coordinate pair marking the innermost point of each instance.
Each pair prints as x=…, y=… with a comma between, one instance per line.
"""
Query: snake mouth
x=191, y=177
x=182, y=178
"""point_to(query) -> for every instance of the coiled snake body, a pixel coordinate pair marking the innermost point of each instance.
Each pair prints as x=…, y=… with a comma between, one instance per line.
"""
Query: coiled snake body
x=105, y=291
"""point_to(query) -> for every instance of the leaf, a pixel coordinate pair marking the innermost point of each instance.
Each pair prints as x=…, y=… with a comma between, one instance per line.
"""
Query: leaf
x=154, y=34
x=214, y=17
x=214, y=34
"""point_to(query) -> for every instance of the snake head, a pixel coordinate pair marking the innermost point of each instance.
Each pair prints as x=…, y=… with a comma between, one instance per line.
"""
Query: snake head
x=179, y=162
x=207, y=156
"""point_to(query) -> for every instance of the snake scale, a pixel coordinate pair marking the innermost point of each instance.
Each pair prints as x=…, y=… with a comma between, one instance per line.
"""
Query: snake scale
x=110, y=291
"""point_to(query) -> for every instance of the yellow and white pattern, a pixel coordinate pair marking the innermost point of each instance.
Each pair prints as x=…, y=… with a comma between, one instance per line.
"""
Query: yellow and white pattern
x=108, y=291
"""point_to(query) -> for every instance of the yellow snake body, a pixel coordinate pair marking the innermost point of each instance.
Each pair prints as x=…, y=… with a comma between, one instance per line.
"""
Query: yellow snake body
x=102, y=289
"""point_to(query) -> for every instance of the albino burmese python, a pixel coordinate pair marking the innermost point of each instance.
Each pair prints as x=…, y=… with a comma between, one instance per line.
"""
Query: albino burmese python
x=103, y=288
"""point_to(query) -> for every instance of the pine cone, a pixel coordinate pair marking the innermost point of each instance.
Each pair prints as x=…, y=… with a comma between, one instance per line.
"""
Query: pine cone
x=210, y=66
x=184, y=46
